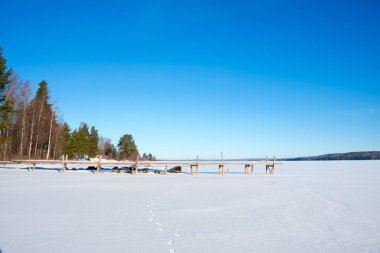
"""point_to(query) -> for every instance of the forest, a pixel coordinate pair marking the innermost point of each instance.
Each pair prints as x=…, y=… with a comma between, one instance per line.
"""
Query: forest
x=31, y=127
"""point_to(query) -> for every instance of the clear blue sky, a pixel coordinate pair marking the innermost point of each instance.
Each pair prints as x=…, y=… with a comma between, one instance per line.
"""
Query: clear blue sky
x=250, y=78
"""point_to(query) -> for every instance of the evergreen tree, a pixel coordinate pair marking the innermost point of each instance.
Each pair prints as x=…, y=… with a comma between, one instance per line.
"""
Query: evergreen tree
x=6, y=106
x=42, y=119
x=83, y=140
x=42, y=92
x=75, y=143
x=127, y=147
x=93, y=143
x=68, y=141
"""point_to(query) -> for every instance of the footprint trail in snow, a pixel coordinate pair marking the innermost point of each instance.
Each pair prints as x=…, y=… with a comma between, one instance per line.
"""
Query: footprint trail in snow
x=152, y=209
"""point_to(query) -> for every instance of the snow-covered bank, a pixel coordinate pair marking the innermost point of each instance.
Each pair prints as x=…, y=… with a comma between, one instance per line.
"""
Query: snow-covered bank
x=305, y=207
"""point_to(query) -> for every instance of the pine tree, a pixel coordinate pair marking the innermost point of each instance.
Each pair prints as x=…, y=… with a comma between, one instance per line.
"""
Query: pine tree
x=75, y=143
x=42, y=92
x=83, y=134
x=93, y=143
x=67, y=142
x=43, y=111
x=6, y=106
x=127, y=147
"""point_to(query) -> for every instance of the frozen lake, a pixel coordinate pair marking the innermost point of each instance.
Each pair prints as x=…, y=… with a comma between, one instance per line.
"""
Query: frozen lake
x=306, y=207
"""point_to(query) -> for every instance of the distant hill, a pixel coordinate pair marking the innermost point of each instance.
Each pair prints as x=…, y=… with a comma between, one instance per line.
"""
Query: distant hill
x=366, y=155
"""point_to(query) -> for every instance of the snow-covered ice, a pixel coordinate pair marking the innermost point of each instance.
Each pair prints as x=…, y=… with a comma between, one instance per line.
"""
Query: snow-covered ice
x=305, y=207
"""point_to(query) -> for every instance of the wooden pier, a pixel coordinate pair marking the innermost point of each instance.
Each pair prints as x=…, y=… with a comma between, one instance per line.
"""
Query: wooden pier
x=135, y=165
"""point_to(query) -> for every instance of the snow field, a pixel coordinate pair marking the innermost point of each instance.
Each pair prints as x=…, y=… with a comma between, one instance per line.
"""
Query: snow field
x=305, y=207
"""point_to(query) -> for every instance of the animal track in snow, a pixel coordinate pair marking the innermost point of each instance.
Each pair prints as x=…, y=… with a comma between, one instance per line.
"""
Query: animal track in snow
x=153, y=209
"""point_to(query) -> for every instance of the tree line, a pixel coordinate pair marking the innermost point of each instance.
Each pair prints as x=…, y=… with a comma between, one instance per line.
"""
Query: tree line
x=31, y=128
x=363, y=155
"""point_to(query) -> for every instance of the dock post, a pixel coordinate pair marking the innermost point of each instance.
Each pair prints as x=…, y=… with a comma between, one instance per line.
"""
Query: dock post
x=197, y=165
x=137, y=165
x=270, y=167
x=246, y=170
x=63, y=164
x=99, y=165
x=221, y=169
x=191, y=169
x=221, y=166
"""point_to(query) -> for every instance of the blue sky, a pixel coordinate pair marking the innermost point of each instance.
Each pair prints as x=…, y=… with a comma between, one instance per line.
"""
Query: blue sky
x=187, y=78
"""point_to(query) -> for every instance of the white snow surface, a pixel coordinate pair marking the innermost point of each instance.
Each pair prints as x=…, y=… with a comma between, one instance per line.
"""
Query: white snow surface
x=306, y=207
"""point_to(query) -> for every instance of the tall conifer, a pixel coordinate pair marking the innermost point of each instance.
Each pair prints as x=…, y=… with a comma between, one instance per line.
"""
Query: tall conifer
x=6, y=106
x=67, y=141
x=93, y=142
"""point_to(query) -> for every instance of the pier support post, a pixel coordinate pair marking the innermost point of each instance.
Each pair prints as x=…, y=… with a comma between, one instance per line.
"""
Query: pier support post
x=221, y=169
x=99, y=165
x=192, y=169
x=64, y=165
x=270, y=167
x=137, y=165
x=221, y=166
x=197, y=165
x=246, y=170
